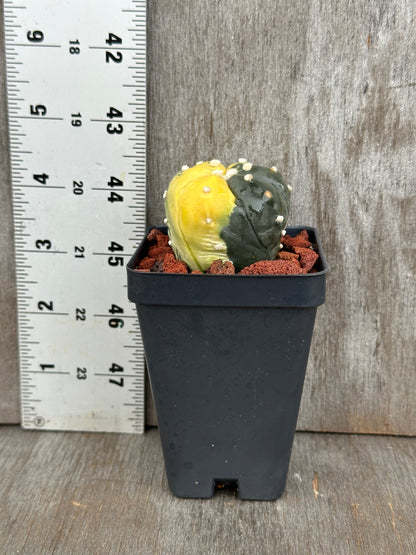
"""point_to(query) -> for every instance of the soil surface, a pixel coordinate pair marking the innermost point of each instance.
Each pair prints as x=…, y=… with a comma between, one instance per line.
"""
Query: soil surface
x=296, y=257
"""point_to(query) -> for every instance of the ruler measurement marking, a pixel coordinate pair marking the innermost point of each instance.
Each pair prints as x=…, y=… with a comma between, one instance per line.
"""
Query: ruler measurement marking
x=23, y=134
x=38, y=45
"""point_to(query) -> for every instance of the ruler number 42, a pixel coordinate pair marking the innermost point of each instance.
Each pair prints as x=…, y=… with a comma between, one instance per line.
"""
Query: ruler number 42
x=116, y=56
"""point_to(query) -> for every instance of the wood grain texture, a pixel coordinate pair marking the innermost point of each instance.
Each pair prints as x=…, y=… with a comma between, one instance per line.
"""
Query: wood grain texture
x=9, y=390
x=86, y=493
x=326, y=90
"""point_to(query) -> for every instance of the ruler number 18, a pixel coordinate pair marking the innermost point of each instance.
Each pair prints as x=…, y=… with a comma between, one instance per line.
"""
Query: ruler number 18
x=74, y=47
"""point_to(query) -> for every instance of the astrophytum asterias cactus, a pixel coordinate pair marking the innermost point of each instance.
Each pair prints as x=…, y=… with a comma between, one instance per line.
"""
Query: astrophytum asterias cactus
x=237, y=214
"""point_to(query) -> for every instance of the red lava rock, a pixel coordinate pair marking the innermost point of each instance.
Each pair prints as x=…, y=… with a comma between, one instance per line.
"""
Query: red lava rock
x=221, y=267
x=301, y=240
x=308, y=257
x=264, y=267
x=146, y=263
x=159, y=252
x=155, y=235
x=285, y=255
x=296, y=258
x=171, y=265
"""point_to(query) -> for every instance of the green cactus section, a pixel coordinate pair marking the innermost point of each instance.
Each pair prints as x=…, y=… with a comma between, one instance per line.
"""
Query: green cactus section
x=235, y=214
x=262, y=209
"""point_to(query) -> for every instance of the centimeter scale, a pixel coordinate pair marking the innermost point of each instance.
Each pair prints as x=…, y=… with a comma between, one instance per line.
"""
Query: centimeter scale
x=76, y=81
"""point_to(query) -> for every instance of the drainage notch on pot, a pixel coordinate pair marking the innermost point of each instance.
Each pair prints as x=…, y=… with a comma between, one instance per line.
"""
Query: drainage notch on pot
x=227, y=356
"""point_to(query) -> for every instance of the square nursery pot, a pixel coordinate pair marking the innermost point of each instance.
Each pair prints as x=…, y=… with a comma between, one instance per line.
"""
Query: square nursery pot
x=227, y=356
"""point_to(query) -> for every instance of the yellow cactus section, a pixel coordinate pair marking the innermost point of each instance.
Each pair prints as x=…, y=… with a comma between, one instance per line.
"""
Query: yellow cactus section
x=198, y=205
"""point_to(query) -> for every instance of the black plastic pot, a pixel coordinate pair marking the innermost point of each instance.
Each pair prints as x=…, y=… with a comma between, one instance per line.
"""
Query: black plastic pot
x=227, y=357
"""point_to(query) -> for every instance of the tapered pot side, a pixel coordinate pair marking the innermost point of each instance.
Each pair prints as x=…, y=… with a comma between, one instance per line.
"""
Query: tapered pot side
x=227, y=356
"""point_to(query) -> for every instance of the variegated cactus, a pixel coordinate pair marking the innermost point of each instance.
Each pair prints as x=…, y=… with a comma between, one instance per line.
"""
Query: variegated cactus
x=237, y=213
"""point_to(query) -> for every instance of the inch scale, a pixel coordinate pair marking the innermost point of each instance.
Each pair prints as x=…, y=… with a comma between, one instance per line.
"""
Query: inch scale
x=76, y=82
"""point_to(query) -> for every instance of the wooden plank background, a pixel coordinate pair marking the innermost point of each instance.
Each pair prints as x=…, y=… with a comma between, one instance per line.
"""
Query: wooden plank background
x=66, y=493
x=326, y=91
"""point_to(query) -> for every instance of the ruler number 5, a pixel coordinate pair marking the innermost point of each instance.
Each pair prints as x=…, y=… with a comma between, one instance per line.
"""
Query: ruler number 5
x=38, y=110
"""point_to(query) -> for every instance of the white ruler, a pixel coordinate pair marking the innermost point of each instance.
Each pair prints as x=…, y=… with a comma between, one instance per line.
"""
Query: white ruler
x=76, y=78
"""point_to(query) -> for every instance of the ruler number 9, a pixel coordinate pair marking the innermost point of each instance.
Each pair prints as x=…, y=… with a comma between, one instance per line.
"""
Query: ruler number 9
x=35, y=36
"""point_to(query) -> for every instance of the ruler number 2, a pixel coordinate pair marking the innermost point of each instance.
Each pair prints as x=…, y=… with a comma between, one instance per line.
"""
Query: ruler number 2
x=38, y=110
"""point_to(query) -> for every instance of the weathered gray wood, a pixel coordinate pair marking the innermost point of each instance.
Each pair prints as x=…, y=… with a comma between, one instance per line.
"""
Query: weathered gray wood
x=106, y=493
x=9, y=399
x=326, y=90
